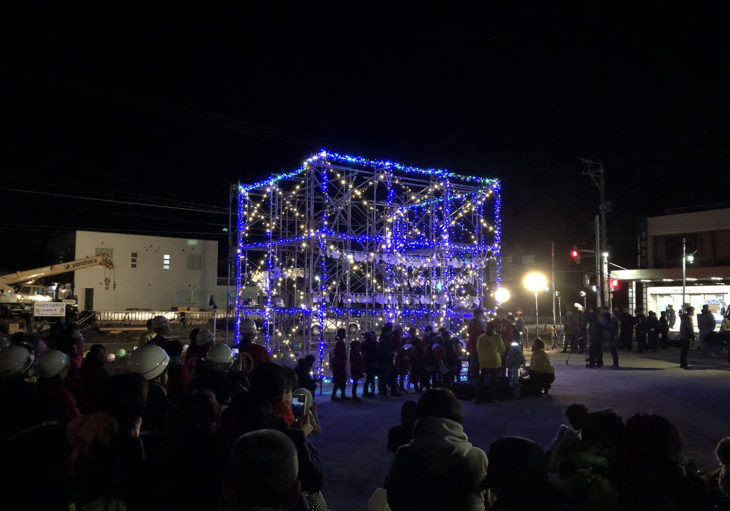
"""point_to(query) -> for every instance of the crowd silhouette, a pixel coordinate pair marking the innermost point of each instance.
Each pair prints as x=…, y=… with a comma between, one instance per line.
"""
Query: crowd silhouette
x=201, y=428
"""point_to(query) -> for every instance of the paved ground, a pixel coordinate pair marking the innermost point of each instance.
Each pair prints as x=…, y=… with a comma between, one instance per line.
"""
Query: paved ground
x=353, y=443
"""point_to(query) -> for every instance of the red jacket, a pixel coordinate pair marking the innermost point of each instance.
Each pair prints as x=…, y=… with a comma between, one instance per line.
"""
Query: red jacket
x=252, y=355
x=339, y=361
x=475, y=329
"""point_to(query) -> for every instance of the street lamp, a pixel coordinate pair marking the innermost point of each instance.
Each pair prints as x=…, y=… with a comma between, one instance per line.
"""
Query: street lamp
x=686, y=258
x=535, y=282
x=502, y=295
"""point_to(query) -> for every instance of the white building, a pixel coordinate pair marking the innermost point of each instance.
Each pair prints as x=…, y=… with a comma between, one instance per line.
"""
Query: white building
x=150, y=272
x=707, y=235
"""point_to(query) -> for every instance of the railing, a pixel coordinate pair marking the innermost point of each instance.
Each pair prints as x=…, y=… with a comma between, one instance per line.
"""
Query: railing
x=130, y=318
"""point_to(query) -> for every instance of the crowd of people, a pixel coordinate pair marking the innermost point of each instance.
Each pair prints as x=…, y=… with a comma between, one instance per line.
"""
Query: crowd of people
x=597, y=330
x=595, y=462
x=403, y=361
x=219, y=427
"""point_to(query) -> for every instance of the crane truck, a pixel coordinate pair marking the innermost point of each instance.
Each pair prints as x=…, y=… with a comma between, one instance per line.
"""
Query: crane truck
x=17, y=291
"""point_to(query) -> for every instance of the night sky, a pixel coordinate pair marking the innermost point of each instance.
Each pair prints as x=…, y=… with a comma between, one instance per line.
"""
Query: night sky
x=169, y=106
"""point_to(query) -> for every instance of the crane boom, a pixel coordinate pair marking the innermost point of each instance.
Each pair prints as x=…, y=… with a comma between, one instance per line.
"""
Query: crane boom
x=56, y=269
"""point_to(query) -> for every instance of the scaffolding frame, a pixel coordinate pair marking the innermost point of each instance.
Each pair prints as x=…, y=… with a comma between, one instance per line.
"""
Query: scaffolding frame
x=348, y=242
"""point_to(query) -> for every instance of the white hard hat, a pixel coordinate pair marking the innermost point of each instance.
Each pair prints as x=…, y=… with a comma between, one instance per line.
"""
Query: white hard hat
x=220, y=354
x=248, y=326
x=150, y=361
x=14, y=361
x=203, y=337
x=160, y=322
x=52, y=363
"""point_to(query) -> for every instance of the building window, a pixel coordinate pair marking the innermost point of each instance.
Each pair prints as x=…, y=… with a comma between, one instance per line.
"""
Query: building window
x=133, y=260
x=166, y=262
x=194, y=261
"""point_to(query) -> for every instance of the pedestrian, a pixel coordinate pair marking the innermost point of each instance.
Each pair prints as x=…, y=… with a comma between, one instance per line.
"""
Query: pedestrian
x=338, y=362
x=401, y=358
x=369, y=351
x=663, y=330
x=438, y=355
x=569, y=334
x=490, y=347
x=595, y=336
x=476, y=328
x=641, y=330
x=452, y=350
x=627, y=321
x=686, y=335
x=386, y=368
x=611, y=335
x=416, y=357
x=706, y=325
x=653, y=328
x=671, y=315
x=357, y=367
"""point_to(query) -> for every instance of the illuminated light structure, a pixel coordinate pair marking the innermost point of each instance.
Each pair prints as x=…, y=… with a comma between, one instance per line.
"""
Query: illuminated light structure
x=344, y=237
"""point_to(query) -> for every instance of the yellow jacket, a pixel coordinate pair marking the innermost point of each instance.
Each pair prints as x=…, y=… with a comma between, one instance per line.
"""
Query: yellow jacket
x=490, y=349
x=540, y=362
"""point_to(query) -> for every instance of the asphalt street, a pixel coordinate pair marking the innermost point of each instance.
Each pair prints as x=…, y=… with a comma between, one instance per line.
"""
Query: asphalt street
x=352, y=445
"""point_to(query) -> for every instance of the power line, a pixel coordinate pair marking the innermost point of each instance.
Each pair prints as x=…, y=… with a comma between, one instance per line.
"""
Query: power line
x=110, y=229
x=65, y=196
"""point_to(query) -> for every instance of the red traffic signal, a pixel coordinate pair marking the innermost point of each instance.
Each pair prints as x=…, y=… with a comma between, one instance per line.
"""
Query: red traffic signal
x=575, y=254
x=613, y=284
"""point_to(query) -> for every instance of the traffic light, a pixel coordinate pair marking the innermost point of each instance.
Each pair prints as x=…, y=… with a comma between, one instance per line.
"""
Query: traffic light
x=575, y=254
x=613, y=284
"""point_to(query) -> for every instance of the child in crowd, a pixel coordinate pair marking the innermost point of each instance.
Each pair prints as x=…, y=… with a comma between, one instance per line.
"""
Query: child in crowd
x=357, y=367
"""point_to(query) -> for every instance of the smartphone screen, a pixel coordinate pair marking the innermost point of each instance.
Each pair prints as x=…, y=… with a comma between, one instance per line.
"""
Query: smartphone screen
x=297, y=406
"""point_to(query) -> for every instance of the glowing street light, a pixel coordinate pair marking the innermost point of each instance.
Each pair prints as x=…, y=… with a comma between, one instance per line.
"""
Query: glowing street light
x=502, y=295
x=535, y=282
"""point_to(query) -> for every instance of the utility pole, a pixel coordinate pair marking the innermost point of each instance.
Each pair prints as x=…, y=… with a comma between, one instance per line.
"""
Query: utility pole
x=552, y=278
x=596, y=172
x=599, y=266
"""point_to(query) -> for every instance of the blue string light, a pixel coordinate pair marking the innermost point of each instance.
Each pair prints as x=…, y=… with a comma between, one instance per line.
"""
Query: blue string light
x=451, y=244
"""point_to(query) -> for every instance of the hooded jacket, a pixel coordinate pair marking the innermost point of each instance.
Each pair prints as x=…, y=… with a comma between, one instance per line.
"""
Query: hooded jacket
x=438, y=470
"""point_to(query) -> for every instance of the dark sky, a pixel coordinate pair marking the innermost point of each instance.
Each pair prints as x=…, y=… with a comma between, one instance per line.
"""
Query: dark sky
x=171, y=105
